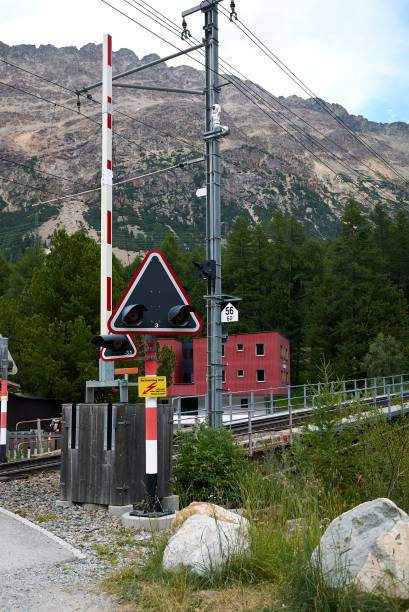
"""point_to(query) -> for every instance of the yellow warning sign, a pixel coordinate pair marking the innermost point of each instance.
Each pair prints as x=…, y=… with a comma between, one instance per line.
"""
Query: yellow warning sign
x=152, y=386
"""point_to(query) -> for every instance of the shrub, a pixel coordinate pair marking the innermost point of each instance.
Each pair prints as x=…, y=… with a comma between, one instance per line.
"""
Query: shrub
x=208, y=462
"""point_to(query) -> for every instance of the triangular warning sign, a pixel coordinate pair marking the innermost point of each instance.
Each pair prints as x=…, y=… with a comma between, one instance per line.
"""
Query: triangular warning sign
x=154, y=302
x=12, y=368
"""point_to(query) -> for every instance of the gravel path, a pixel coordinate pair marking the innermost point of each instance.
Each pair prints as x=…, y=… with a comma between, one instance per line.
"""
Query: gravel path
x=70, y=586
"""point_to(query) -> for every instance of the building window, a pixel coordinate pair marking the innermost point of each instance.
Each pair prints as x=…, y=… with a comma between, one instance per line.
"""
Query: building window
x=260, y=350
x=260, y=375
x=244, y=402
x=284, y=352
x=240, y=347
x=284, y=376
x=223, y=376
x=222, y=350
x=240, y=373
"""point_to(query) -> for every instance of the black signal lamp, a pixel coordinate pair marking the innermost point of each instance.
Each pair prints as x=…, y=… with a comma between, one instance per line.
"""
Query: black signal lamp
x=115, y=344
x=178, y=316
x=132, y=315
x=206, y=270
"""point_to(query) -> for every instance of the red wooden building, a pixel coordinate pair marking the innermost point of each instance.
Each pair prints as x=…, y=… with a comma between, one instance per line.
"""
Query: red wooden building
x=254, y=362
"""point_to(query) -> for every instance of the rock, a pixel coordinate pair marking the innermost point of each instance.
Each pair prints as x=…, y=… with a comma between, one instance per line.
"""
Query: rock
x=207, y=509
x=204, y=543
x=369, y=546
x=293, y=525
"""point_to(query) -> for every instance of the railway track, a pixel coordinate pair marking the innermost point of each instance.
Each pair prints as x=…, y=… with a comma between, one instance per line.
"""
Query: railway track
x=20, y=469
x=279, y=421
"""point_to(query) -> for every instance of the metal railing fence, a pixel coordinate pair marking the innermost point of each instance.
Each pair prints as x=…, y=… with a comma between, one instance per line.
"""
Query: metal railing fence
x=250, y=404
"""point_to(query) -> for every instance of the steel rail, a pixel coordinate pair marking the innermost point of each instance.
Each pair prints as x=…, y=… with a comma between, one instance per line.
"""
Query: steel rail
x=16, y=469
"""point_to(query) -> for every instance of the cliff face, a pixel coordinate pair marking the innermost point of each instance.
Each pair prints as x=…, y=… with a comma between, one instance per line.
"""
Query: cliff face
x=48, y=151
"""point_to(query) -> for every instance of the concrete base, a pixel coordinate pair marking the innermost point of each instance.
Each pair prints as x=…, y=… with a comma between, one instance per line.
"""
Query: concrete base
x=120, y=510
x=94, y=507
x=63, y=503
x=147, y=523
x=171, y=502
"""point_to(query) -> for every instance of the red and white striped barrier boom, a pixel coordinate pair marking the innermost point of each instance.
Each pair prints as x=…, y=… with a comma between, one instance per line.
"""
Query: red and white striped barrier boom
x=106, y=186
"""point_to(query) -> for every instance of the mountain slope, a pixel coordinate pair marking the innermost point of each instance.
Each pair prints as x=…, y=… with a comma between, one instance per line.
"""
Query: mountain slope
x=49, y=150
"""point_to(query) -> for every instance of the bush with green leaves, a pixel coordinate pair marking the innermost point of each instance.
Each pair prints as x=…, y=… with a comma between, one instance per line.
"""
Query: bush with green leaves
x=207, y=464
x=351, y=448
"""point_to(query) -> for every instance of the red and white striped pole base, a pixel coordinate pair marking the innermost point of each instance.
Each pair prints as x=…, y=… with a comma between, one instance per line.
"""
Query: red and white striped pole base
x=152, y=503
x=3, y=422
x=152, y=506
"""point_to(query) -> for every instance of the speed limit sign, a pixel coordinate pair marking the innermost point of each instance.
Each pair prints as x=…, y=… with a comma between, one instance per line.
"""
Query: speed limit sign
x=229, y=314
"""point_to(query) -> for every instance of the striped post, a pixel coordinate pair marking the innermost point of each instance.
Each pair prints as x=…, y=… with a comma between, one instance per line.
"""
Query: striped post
x=106, y=368
x=151, y=430
x=106, y=186
x=3, y=410
x=3, y=421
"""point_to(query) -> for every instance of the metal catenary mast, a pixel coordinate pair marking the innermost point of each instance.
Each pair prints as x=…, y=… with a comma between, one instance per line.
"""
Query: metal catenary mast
x=214, y=131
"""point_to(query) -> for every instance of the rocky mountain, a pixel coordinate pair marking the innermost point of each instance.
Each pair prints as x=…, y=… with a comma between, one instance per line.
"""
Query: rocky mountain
x=294, y=156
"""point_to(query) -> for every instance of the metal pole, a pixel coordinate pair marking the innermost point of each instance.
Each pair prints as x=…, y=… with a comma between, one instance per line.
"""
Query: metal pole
x=213, y=214
x=139, y=68
x=290, y=414
x=106, y=368
x=250, y=433
x=4, y=362
x=179, y=412
x=39, y=436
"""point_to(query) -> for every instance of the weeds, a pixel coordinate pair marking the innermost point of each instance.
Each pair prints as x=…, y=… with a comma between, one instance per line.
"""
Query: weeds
x=44, y=518
x=289, y=499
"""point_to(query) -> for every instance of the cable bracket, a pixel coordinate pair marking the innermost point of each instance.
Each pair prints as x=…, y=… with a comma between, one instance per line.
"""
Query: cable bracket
x=233, y=14
x=185, y=32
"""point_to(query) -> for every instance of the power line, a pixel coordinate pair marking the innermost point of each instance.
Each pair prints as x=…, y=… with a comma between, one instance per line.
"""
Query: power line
x=9, y=180
x=119, y=183
x=247, y=32
x=25, y=166
x=117, y=111
x=244, y=86
x=36, y=96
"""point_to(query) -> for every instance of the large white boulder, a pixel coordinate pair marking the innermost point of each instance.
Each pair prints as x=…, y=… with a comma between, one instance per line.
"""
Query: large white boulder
x=368, y=545
x=213, y=510
x=203, y=543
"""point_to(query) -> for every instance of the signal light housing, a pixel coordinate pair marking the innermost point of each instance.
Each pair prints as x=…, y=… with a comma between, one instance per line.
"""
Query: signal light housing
x=178, y=316
x=115, y=345
x=132, y=315
x=206, y=270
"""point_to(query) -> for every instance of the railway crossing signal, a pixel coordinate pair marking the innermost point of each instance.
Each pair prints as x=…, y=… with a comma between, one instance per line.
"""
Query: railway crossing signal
x=118, y=346
x=154, y=302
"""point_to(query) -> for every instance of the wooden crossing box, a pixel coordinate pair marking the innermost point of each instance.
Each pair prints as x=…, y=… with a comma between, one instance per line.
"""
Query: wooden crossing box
x=103, y=453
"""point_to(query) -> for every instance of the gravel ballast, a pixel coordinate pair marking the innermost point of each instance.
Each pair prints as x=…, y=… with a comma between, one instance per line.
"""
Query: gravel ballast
x=106, y=544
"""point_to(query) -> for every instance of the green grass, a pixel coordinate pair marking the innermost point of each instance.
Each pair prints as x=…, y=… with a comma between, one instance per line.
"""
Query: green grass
x=322, y=475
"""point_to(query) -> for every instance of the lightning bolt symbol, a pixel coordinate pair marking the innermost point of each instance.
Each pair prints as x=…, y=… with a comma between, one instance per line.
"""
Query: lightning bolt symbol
x=151, y=386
